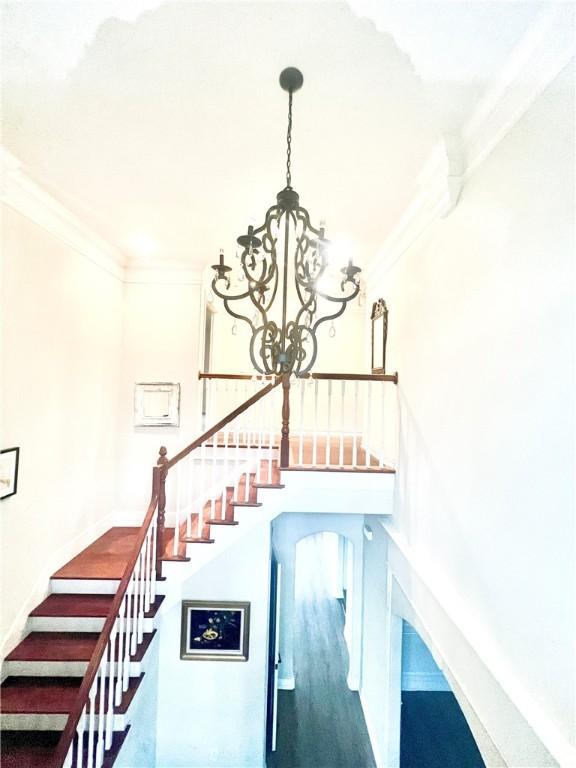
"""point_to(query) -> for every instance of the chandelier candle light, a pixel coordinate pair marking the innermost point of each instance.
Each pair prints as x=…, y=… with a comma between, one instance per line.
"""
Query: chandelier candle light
x=284, y=338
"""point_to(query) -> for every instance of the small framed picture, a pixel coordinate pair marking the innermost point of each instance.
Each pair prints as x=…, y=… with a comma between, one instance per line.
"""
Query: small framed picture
x=9, y=458
x=157, y=404
x=214, y=631
x=379, y=318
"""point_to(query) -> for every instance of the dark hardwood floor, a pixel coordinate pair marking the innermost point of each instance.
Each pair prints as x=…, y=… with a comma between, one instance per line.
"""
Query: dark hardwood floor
x=320, y=724
x=434, y=732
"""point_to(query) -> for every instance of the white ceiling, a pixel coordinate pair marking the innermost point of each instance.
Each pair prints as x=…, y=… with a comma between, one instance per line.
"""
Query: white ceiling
x=164, y=121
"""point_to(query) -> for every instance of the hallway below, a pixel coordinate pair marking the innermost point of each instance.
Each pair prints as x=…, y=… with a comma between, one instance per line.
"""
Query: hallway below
x=320, y=724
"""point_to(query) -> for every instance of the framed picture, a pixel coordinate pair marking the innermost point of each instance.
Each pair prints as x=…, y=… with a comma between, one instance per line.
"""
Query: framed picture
x=157, y=404
x=214, y=631
x=379, y=319
x=9, y=458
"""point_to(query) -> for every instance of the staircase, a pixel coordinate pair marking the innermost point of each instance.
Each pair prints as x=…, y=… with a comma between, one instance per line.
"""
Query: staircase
x=69, y=686
x=44, y=672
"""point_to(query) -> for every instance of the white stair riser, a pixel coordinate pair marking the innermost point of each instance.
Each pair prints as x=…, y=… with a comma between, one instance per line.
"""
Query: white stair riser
x=41, y=722
x=74, y=624
x=92, y=586
x=84, y=586
x=59, y=668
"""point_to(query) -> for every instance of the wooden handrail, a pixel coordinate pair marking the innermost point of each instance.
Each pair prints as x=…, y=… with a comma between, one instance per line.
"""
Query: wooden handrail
x=69, y=731
x=352, y=376
x=222, y=423
x=337, y=376
x=235, y=376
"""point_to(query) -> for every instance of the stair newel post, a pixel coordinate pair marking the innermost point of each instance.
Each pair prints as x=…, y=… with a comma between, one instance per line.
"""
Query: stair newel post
x=162, y=472
x=285, y=440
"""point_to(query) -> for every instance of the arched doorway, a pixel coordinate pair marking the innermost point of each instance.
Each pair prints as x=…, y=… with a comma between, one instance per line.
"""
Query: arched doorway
x=320, y=719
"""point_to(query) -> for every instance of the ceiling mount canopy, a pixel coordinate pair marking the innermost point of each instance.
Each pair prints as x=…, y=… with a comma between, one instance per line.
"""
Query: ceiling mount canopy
x=285, y=252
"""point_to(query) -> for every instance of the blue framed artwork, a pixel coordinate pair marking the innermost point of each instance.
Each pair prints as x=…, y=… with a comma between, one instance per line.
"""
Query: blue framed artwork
x=215, y=630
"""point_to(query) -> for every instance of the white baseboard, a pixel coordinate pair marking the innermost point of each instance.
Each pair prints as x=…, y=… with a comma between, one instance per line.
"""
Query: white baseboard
x=424, y=681
x=286, y=683
x=372, y=733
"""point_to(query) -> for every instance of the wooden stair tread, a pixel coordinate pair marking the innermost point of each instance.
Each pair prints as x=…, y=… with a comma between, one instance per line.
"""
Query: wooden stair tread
x=196, y=540
x=46, y=695
x=80, y=605
x=65, y=646
x=245, y=503
x=51, y=695
x=55, y=646
x=34, y=749
x=27, y=749
x=105, y=558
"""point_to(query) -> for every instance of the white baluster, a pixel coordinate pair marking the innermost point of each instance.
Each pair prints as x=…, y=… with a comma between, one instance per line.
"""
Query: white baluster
x=91, y=721
x=134, y=633
x=383, y=422
x=250, y=421
x=69, y=756
x=140, y=624
x=213, y=480
x=259, y=406
x=328, y=422
x=178, y=508
x=146, y=573
x=147, y=569
x=236, y=457
x=153, y=556
x=129, y=621
x=301, y=446
x=202, y=488
x=190, y=484
x=109, y=728
x=80, y=731
x=355, y=426
x=271, y=414
x=101, y=676
x=121, y=640
x=368, y=420
x=342, y=412
x=315, y=437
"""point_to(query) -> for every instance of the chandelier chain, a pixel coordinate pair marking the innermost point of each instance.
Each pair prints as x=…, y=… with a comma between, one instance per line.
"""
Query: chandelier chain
x=289, y=143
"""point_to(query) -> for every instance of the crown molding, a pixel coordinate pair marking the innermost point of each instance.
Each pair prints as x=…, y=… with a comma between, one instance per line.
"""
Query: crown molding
x=543, y=52
x=28, y=198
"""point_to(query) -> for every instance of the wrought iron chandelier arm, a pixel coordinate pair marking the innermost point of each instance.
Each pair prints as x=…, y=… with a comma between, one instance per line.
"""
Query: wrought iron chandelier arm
x=237, y=315
x=328, y=317
x=226, y=296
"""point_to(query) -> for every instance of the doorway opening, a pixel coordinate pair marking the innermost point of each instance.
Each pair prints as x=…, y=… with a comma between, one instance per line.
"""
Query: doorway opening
x=433, y=729
x=320, y=722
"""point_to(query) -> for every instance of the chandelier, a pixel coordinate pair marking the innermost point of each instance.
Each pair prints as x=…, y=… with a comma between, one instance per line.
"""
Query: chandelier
x=286, y=257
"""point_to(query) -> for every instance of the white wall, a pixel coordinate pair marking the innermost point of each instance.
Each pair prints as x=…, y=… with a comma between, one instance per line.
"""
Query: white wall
x=381, y=652
x=160, y=343
x=419, y=670
x=212, y=713
x=61, y=346
x=482, y=334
